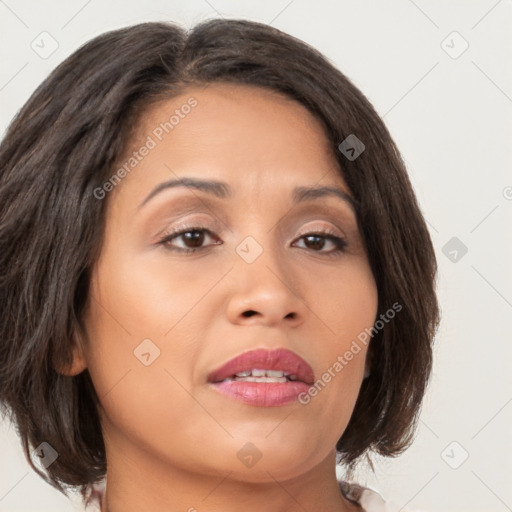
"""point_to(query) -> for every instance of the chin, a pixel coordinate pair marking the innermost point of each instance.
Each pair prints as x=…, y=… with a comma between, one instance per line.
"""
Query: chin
x=265, y=460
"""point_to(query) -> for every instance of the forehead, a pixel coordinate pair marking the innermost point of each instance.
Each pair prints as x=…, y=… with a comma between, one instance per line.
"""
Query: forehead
x=245, y=135
x=225, y=106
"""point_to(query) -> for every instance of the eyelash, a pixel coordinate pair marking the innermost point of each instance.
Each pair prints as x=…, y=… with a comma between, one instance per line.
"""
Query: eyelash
x=339, y=243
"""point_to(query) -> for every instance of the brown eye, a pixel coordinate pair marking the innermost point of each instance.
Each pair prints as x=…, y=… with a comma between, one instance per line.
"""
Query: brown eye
x=318, y=241
x=191, y=239
x=314, y=241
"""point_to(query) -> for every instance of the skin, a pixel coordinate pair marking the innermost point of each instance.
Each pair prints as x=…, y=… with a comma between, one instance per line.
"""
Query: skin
x=171, y=439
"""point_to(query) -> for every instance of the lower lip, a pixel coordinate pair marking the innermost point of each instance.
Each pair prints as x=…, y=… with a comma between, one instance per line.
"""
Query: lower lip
x=264, y=394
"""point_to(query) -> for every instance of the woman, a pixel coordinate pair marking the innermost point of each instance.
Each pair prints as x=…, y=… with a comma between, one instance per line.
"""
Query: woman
x=217, y=282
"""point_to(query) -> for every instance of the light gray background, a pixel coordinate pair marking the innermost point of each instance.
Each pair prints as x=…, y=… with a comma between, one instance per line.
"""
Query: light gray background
x=450, y=115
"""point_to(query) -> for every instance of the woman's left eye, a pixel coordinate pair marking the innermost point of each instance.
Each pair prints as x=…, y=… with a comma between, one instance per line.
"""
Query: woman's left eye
x=318, y=241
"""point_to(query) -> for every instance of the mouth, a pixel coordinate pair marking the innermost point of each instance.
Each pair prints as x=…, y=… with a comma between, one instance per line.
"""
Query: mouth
x=263, y=377
x=257, y=375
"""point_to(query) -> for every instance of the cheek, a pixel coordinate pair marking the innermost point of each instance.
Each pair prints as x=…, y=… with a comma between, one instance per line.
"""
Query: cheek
x=139, y=299
x=141, y=380
x=345, y=299
x=142, y=342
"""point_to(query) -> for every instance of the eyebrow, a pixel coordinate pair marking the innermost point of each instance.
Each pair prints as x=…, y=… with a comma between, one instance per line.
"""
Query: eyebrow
x=222, y=190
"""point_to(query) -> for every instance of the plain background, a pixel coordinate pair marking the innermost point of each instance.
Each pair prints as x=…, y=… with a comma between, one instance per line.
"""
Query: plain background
x=449, y=110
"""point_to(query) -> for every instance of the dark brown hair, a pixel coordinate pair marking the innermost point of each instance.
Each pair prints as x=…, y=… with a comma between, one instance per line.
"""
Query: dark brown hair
x=63, y=145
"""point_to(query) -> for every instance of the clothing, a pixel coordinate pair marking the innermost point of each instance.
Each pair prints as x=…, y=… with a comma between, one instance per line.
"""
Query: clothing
x=369, y=500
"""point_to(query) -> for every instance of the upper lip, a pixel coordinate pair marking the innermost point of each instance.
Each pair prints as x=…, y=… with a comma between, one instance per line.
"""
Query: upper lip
x=264, y=359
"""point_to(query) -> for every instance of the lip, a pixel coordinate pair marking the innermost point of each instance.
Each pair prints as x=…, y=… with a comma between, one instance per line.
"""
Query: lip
x=264, y=394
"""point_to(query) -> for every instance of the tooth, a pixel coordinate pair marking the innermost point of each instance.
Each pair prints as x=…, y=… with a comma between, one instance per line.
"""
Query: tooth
x=243, y=374
x=274, y=379
x=292, y=377
x=259, y=373
x=261, y=379
x=275, y=373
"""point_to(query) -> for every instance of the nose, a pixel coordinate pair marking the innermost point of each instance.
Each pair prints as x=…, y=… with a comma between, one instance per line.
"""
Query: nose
x=265, y=293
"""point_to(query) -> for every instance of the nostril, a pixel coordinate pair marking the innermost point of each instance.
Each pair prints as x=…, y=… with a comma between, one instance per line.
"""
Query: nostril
x=249, y=313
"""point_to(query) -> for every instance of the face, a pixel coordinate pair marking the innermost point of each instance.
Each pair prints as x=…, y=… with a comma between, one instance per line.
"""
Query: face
x=263, y=263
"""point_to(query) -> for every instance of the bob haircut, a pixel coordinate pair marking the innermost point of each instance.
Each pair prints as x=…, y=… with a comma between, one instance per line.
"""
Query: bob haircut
x=62, y=146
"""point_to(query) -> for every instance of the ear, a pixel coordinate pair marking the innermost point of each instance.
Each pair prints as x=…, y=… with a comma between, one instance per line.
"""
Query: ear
x=78, y=363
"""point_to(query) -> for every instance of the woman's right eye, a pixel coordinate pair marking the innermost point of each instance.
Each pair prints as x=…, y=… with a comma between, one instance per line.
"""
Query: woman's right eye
x=192, y=239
